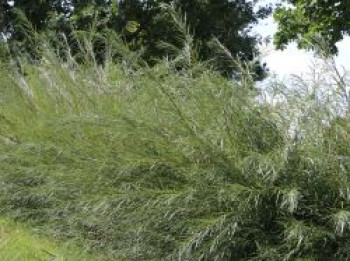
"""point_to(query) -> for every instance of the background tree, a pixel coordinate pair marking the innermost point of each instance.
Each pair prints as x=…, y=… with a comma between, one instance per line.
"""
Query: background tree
x=308, y=21
x=230, y=22
x=4, y=8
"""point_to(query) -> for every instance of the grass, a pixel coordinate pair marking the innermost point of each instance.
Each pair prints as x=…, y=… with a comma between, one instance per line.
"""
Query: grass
x=164, y=163
x=20, y=243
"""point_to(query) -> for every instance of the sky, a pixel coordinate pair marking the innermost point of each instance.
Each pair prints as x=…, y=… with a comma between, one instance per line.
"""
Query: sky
x=291, y=60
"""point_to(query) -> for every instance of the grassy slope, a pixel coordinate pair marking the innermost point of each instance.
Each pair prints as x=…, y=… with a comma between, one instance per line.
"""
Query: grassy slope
x=19, y=243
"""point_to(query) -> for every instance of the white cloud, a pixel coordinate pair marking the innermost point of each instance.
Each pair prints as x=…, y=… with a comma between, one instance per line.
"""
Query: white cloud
x=288, y=61
x=343, y=57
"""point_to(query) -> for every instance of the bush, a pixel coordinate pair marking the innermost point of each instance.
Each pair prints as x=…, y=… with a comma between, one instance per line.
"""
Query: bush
x=167, y=164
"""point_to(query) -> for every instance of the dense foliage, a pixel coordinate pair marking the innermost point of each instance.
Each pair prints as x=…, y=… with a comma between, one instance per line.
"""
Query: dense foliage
x=309, y=21
x=167, y=164
x=171, y=161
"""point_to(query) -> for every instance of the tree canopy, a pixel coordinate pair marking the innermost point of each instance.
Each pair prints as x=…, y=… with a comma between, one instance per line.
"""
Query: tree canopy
x=308, y=21
x=146, y=24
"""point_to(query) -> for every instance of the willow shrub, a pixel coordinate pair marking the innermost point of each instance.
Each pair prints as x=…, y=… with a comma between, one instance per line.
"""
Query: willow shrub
x=165, y=163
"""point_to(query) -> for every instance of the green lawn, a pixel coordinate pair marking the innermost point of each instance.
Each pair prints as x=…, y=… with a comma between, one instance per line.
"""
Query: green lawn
x=19, y=243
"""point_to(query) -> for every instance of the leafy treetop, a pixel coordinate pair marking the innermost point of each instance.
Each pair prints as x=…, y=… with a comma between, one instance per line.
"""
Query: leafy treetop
x=228, y=21
x=309, y=21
